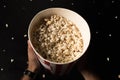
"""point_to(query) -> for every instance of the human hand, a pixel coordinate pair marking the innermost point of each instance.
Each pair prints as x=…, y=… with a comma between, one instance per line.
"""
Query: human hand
x=33, y=62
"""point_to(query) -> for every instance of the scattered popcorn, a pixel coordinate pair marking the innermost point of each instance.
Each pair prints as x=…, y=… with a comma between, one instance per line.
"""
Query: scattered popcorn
x=108, y=59
x=12, y=60
x=3, y=50
x=25, y=35
x=4, y=6
x=96, y=32
x=116, y=17
x=6, y=25
x=1, y=69
x=12, y=38
x=119, y=76
x=113, y=1
x=43, y=75
x=72, y=3
x=110, y=35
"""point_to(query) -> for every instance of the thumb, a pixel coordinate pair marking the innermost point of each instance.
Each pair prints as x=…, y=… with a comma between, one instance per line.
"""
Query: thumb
x=31, y=54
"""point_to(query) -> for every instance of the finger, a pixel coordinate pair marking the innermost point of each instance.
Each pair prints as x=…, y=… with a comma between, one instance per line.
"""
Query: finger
x=31, y=54
x=32, y=57
x=29, y=47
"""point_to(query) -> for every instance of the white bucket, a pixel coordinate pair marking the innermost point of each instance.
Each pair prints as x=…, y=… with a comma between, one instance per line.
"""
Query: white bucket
x=78, y=20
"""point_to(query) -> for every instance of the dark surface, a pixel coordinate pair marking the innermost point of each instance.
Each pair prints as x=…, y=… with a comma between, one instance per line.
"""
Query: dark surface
x=102, y=57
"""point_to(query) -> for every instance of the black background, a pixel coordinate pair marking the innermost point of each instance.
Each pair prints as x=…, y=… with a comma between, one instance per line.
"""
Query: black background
x=103, y=17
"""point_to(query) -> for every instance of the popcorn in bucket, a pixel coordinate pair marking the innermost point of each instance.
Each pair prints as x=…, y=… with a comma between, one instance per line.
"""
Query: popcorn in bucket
x=59, y=38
